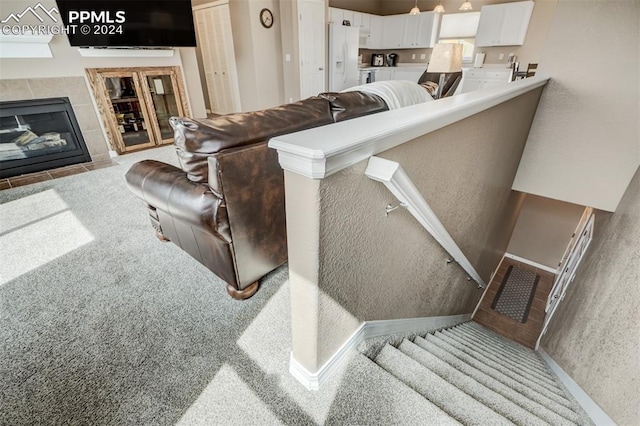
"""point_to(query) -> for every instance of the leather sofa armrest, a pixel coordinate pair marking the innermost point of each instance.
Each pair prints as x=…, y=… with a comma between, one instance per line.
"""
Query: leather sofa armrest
x=167, y=188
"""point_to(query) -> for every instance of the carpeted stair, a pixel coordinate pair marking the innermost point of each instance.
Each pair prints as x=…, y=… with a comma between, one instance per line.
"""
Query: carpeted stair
x=470, y=375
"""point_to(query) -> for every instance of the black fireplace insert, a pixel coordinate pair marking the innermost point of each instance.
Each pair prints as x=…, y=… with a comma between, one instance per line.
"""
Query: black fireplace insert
x=39, y=134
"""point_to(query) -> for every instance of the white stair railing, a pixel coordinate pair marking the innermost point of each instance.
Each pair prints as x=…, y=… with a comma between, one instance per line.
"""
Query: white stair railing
x=396, y=180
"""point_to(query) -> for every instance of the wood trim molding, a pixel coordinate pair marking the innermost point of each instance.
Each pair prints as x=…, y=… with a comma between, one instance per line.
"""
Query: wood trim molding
x=367, y=330
x=400, y=185
x=321, y=151
x=139, y=75
x=531, y=262
x=592, y=409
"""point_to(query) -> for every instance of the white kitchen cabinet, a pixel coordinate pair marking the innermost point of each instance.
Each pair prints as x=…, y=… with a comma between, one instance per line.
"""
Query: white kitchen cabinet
x=348, y=15
x=393, y=31
x=420, y=31
x=383, y=74
x=399, y=73
x=407, y=73
x=410, y=33
x=482, y=78
x=335, y=16
x=375, y=32
x=504, y=24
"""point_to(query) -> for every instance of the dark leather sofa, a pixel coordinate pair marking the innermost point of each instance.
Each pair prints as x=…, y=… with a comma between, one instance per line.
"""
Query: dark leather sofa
x=225, y=204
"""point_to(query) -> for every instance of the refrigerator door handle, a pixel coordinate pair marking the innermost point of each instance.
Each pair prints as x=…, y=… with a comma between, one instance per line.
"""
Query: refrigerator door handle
x=345, y=48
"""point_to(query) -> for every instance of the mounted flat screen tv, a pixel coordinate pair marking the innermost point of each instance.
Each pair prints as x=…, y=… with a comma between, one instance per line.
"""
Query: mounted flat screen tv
x=132, y=23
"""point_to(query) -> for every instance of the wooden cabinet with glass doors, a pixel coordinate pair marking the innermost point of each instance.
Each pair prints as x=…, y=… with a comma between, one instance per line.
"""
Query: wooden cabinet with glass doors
x=136, y=104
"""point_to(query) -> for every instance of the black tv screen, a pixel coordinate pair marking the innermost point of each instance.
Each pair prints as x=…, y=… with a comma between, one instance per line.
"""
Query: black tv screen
x=132, y=23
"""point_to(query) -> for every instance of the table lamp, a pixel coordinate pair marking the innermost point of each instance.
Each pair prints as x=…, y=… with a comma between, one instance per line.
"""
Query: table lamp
x=445, y=58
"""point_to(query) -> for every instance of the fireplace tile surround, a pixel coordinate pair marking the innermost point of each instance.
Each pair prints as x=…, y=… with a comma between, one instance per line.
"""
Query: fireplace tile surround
x=75, y=88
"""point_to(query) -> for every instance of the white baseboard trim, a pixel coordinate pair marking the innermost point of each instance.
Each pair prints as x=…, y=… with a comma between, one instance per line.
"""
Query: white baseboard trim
x=531, y=262
x=597, y=414
x=367, y=330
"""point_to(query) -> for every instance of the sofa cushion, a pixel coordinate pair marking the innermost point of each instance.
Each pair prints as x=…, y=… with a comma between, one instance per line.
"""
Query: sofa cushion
x=195, y=140
x=348, y=105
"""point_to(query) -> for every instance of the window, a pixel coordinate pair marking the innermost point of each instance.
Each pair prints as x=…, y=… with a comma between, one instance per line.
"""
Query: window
x=460, y=28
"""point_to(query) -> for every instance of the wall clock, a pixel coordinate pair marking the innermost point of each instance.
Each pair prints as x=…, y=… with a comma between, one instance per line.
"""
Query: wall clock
x=266, y=18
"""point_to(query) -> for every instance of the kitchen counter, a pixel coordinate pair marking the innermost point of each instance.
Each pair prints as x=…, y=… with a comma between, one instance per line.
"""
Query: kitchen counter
x=400, y=65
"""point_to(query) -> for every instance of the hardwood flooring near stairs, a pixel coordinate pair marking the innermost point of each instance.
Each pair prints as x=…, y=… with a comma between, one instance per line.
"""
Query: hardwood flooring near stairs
x=527, y=333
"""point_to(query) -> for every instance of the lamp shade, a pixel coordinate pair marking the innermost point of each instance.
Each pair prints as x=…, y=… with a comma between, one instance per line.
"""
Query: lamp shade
x=439, y=8
x=446, y=57
x=466, y=6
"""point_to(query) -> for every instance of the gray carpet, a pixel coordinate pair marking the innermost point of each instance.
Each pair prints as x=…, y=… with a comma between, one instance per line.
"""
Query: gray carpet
x=100, y=323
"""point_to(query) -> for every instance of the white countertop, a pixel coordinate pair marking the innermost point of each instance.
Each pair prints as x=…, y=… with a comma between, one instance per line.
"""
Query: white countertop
x=401, y=65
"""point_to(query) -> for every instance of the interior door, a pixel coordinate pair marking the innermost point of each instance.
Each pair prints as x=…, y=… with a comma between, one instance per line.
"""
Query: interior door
x=312, y=48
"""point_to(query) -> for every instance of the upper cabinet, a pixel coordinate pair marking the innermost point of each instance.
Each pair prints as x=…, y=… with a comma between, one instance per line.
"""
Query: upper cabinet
x=390, y=32
x=420, y=31
x=504, y=24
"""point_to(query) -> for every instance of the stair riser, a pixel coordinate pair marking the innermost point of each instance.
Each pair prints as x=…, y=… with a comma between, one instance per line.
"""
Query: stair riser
x=490, y=334
x=523, y=353
x=491, y=399
x=506, y=377
x=503, y=357
x=505, y=368
x=444, y=395
x=512, y=347
x=528, y=399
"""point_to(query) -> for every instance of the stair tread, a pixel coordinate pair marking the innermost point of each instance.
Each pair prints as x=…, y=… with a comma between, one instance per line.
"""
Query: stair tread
x=507, y=377
x=501, y=357
x=504, y=343
x=470, y=386
x=480, y=330
x=519, y=375
x=442, y=393
x=514, y=345
x=351, y=404
x=529, y=399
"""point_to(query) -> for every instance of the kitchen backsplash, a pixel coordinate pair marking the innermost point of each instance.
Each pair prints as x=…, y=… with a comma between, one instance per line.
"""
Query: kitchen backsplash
x=404, y=55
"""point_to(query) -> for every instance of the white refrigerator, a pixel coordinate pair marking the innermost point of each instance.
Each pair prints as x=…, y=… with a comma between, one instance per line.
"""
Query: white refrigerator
x=343, y=57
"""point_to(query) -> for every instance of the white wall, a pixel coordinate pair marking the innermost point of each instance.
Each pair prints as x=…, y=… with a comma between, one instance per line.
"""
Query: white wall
x=258, y=53
x=584, y=145
x=67, y=62
x=544, y=229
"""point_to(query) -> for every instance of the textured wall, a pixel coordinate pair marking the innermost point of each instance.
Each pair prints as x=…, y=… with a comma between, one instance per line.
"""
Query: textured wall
x=583, y=147
x=595, y=334
x=372, y=267
x=544, y=229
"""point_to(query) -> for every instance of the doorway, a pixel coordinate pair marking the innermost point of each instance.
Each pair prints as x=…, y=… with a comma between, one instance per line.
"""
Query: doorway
x=312, y=48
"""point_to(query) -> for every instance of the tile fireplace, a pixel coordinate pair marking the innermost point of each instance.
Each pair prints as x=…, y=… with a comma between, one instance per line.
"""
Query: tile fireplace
x=39, y=134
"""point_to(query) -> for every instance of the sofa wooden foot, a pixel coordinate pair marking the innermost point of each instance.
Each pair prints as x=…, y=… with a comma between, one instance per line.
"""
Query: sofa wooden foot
x=245, y=293
x=161, y=237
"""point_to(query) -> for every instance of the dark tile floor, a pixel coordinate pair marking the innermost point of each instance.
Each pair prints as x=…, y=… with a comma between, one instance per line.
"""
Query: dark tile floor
x=30, y=178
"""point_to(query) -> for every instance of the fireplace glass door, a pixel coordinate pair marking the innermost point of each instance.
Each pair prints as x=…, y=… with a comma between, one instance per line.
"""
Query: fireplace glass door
x=39, y=134
x=139, y=103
